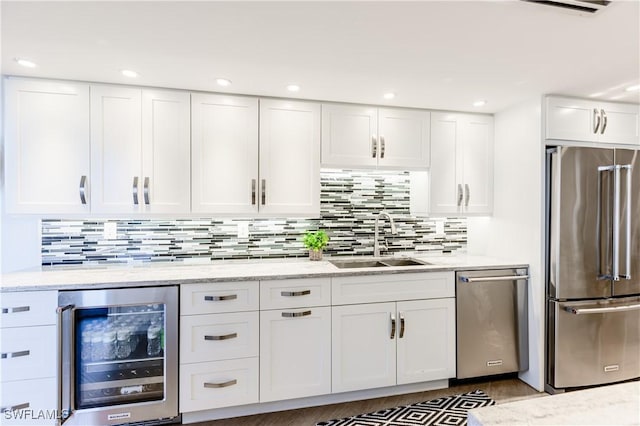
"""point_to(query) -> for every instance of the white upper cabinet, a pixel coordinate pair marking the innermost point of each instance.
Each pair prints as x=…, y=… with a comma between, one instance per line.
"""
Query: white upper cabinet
x=360, y=136
x=227, y=176
x=461, y=175
x=289, y=158
x=140, y=150
x=224, y=154
x=592, y=121
x=46, y=147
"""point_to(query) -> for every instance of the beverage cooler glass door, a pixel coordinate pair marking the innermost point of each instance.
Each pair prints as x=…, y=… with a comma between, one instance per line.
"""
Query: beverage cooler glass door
x=121, y=354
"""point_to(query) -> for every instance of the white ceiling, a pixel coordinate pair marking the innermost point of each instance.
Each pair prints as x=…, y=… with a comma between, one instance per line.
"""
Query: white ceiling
x=432, y=54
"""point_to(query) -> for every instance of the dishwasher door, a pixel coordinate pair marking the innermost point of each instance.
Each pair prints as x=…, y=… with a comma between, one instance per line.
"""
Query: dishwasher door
x=491, y=326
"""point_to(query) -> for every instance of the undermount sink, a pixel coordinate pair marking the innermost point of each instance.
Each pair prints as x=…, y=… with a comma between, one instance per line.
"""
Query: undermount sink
x=377, y=263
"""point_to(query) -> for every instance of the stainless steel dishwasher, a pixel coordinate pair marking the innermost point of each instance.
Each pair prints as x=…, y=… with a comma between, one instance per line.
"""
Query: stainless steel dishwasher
x=491, y=322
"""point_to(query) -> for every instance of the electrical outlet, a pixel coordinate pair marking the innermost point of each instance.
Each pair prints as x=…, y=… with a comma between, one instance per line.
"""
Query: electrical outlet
x=439, y=227
x=110, y=231
x=243, y=229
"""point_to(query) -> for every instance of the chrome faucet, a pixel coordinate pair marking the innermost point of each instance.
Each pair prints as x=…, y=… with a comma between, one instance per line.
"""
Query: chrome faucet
x=394, y=231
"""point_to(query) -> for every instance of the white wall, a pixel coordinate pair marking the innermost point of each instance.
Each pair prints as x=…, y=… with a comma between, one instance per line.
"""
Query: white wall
x=516, y=229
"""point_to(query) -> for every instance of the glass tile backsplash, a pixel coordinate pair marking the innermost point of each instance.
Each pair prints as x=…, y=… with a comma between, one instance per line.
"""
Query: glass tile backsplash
x=349, y=202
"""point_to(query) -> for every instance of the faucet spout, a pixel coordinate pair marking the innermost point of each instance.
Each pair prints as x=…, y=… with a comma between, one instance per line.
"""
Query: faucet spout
x=394, y=231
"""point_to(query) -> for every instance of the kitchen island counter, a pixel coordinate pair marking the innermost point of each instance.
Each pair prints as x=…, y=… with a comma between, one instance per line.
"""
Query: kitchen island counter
x=170, y=273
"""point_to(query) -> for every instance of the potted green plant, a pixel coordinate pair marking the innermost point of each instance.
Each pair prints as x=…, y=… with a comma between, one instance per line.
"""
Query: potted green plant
x=315, y=242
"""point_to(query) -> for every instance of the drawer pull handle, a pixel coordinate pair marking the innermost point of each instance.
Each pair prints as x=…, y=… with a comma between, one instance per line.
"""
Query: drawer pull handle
x=18, y=354
x=401, y=325
x=210, y=385
x=296, y=314
x=15, y=407
x=16, y=309
x=393, y=327
x=295, y=293
x=223, y=337
x=220, y=298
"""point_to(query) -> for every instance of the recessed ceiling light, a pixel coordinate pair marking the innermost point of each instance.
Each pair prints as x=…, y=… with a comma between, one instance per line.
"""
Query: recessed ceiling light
x=389, y=95
x=633, y=88
x=129, y=73
x=479, y=103
x=293, y=88
x=26, y=63
x=223, y=82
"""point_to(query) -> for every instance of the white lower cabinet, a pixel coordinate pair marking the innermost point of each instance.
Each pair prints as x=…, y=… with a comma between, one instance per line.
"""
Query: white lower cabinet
x=295, y=353
x=29, y=402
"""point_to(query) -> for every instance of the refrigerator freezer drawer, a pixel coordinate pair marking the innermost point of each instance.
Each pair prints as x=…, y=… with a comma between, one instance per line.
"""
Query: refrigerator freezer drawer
x=594, y=342
x=491, y=322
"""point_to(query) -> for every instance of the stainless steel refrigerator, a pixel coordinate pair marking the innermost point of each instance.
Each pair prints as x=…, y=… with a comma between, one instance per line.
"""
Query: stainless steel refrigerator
x=593, y=280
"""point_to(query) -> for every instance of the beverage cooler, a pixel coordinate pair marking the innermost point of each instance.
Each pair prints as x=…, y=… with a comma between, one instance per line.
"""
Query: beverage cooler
x=118, y=359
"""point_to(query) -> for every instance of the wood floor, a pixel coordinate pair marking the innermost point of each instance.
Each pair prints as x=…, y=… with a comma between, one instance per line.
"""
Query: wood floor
x=500, y=390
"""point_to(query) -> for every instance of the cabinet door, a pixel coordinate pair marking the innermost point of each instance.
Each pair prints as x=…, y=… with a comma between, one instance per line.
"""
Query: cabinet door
x=116, y=149
x=224, y=154
x=426, y=340
x=166, y=147
x=621, y=123
x=29, y=402
x=349, y=136
x=404, y=138
x=289, y=158
x=571, y=119
x=363, y=352
x=46, y=146
x=446, y=189
x=477, y=163
x=295, y=353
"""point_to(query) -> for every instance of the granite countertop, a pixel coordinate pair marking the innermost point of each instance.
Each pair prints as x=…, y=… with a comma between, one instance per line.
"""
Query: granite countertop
x=169, y=273
x=607, y=405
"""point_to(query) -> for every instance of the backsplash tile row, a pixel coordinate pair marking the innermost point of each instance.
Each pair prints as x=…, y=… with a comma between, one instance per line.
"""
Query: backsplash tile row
x=349, y=202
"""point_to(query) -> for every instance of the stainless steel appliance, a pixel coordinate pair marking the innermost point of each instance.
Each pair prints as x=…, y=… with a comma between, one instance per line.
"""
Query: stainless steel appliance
x=492, y=331
x=593, y=282
x=119, y=360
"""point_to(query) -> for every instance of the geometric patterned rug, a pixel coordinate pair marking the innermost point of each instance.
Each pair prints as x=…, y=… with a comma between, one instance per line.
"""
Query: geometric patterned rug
x=445, y=411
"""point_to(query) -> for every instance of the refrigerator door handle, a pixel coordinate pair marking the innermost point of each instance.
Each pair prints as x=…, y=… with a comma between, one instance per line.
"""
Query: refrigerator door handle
x=616, y=223
x=580, y=311
x=608, y=274
x=627, y=258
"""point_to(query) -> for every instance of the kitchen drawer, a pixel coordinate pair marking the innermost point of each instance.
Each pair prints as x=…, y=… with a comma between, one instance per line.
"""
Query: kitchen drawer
x=217, y=337
x=213, y=298
x=28, y=308
x=392, y=287
x=28, y=352
x=38, y=397
x=208, y=385
x=295, y=293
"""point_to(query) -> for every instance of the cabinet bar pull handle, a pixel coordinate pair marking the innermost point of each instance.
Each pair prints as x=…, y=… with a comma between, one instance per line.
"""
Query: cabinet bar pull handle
x=459, y=195
x=604, y=121
x=393, y=327
x=253, y=192
x=467, y=195
x=295, y=293
x=146, y=190
x=15, y=407
x=18, y=354
x=135, y=190
x=264, y=191
x=223, y=337
x=219, y=298
x=381, y=146
x=596, y=119
x=210, y=385
x=374, y=147
x=401, y=325
x=83, y=189
x=296, y=314
x=16, y=309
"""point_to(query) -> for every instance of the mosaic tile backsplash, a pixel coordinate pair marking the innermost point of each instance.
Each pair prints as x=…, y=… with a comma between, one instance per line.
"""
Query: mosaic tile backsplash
x=349, y=202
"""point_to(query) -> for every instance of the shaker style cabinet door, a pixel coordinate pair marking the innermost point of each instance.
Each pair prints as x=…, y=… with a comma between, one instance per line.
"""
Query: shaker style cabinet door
x=224, y=154
x=116, y=149
x=622, y=123
x=349, y=136
x=403, y=138
x=46, y=147
x=446, y=171
x=477, y=164
x=166, y=148
x=289, y=158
